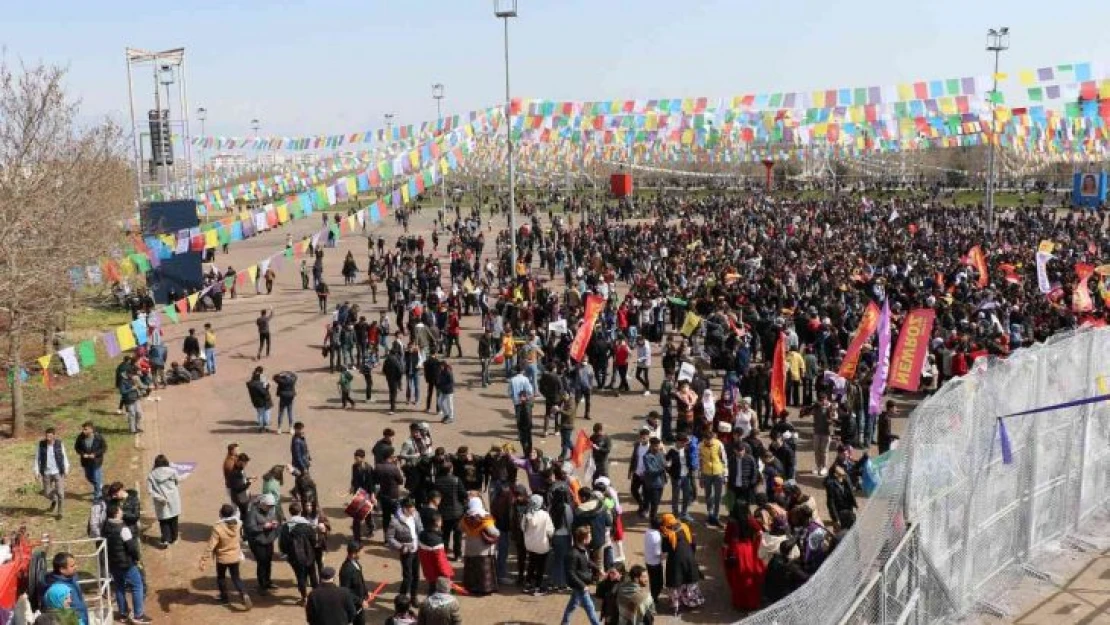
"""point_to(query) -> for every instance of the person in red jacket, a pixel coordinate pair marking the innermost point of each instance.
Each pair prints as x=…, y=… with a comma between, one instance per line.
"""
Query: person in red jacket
x=432, y=555
x=453, y=332
x=621, y=354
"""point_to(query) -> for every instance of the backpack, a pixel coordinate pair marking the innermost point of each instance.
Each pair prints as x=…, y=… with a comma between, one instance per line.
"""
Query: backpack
x=300, y=544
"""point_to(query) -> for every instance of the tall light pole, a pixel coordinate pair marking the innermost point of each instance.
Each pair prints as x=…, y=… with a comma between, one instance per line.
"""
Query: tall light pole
x=437, y=94
x=255, y=125
x=166, y=78
x=202, y=116
x=505, y=9
x=388, y=142
x=997, y=41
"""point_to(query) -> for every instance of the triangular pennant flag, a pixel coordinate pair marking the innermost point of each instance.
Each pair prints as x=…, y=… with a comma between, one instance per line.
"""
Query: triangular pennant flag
x=193, y=301
x=252, y=271
x=170, y=312
x=1004, y=441
x=44, y=362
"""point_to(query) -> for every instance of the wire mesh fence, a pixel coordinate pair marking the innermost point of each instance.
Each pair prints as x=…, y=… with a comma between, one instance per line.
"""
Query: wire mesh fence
x=987, y=536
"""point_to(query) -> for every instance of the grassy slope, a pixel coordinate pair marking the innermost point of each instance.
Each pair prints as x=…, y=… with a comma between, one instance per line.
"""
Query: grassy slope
x=88, y=396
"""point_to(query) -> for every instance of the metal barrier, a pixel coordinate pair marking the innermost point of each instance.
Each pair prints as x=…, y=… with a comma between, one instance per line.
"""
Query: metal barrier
x=91, y=555
x=979, y=525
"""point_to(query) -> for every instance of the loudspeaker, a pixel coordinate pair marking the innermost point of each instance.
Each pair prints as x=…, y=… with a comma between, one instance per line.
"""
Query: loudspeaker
x=182, y=273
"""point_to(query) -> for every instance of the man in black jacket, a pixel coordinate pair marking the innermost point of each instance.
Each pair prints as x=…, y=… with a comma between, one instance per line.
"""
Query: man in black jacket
x=389, y=478
x=259, y=390
x=123, y=562
x=91, y=447
x=451, y=507
x=329, y=604
x=683, y=472
x=743, y=471
x=192, y=345
x=286, y=382
x=431, y=377
x=393, y=369
x=580, y=576
x=485, y=353
x=350, y=577
x=362, y=478
x=262, y=526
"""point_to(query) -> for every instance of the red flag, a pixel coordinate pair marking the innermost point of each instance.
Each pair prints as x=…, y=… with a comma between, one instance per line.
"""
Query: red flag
x=976, y=258
x=778, y=376
x=581, y=449
x=594, y=304
x=913, y=345
x=867, y=326
x=1010, y=273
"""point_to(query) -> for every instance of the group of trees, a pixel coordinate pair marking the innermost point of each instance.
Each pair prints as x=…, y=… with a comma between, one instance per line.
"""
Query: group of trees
x=65, y=186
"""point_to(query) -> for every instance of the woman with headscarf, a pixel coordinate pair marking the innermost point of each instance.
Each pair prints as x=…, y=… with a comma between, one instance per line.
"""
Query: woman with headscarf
x=479, y=549
x=538, y=530
x=708, y=410
x=682, y=572
x=740, y=556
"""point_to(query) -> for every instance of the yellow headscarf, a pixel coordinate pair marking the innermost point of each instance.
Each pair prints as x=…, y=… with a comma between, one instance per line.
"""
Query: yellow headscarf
x=670, y=526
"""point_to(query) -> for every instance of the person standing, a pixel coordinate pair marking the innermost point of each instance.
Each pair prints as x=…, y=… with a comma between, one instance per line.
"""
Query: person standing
x=480, y=537
x=521, y=392
x=191, y=346
x=402, y=536
x=286, y=382
x=636, y=469
x=51, y=467
x=362, y=478
x=452, y=502
x=485, y=353
x=682, y=472
x=262, y=527
x=122, y=546
x=440, y=608
x=297, y=541
x=743, y=567
x=714, y=474
x=209, y=350
x=224, y=543
x=394, y=369
x=238, y=484
x=653, y=558
x=259, y=390
x=445, y=392
x=634, y=603
x=538, y=530
x=329, y=604
x=162, y=485
x=621, y=355
x=346, y=378
x=263, y=323
x=655, y=476
x=823, y=415
x=90, y=448
x=580, y=572
x=389, y=478
x=352, y=579
x=643, y=364
x=298, y=449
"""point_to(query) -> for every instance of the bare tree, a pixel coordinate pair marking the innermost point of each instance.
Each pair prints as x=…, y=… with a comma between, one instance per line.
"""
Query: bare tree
x=64, y=189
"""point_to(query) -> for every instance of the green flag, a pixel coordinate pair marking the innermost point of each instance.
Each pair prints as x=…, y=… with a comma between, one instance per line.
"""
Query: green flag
x=86, y=353
x=170, y=311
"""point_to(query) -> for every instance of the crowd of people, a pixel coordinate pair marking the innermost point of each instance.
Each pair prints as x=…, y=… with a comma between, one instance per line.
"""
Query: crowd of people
x=706, y=286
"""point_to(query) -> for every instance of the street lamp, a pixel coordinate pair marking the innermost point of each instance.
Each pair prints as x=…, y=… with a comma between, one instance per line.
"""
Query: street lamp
x=438, y=94
x=504, y=10
x=997, y=41
x=255, y=125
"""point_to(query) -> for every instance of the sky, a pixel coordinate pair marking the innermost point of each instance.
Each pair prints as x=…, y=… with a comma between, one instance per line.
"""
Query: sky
x=337, y=66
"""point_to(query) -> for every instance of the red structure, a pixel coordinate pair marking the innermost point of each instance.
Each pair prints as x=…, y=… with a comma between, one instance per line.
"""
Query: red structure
x=620, y=185
x=769, y=165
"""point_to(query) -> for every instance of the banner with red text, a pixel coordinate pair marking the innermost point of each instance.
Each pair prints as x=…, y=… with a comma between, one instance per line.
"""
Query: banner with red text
x=594, y=304
x=913, y=346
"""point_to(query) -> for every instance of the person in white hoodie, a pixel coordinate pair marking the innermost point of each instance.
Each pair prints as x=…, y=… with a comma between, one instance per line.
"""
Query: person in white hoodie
x=538, y=530
x=163, y=487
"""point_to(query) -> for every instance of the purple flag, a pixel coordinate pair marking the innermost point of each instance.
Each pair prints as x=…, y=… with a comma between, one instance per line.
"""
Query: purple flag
x=1004, y=441
x=111, y=344
x=882, y=368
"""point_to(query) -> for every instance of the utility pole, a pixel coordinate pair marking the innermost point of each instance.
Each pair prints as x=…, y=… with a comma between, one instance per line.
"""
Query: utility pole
x=997, y=41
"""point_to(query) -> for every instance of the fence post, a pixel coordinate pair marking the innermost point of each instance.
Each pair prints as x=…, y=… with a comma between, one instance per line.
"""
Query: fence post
x=1085, y=425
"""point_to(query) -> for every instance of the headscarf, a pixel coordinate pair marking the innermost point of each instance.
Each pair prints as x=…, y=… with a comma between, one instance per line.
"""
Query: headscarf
x=56, y=596
x=670, y=526
x=476, y=519
x=708, y=404
x=535, y=503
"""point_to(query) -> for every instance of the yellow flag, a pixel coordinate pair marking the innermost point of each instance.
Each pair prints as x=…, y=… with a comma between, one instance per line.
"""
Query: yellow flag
x=193, y=301
x=252, y=272
x=690, y=324
x=405, y=193
x=1046, y=246
x=211, y=239
x=282, y=213
x=125, y=337
x=1001, y=76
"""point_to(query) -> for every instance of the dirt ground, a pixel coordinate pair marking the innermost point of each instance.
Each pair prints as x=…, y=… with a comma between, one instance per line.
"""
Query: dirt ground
x=194, y=423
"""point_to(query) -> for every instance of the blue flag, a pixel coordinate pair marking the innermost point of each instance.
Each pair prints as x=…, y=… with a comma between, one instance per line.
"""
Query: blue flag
x=1004, y=440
